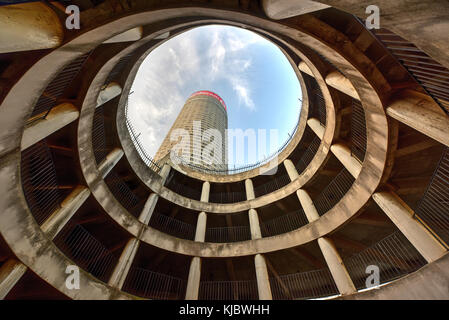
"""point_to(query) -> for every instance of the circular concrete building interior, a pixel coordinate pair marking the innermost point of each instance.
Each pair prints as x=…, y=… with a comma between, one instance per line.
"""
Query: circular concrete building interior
x=361, y=185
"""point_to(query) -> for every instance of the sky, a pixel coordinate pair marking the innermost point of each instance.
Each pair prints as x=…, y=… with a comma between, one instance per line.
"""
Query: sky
x=249, y=73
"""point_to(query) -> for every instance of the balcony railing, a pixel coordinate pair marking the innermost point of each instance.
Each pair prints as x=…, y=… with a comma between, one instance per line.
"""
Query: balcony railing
x=272, y=185
x=285, y=223
x=228, y=234
x=228, y=290
x=174, y=227
x=152, y=285
x=124, y=195
x=304, y=285
x=433, y=209
x=432, y=76
x=99, y=136
x=87, y=252
x=308, y=155
x=393, y=255
x=358, y=131
x=56, y=88
x=334, y=192
x=39, y=181
x=227, y=197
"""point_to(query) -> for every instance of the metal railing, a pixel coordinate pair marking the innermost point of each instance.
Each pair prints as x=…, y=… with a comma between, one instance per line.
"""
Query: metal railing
x=124, y=195
x=86, y=251
x=227, y=197
x=147, y=159
x=304, y=285
x=430, y=74
x=334, y=192
x=272, y=185
x=228, y=290
x=358, y=131
x=394, y=255
x=433, y=208
x=39, y=181
x=153, y=285
x=117, y=70
x=172, y=226
x=308, y=155
x=183, y=190
x=57, y=86
x=228, y=234
x=285, y=223
x=99, y=136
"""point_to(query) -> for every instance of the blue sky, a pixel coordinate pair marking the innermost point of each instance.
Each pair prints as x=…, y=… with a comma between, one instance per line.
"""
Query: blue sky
x=251, y=74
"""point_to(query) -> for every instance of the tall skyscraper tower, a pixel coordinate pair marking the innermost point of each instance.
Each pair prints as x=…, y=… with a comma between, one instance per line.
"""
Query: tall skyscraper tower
x=202, y=111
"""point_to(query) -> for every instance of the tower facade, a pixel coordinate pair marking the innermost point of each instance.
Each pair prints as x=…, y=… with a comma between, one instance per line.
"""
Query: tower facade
x=203, y=111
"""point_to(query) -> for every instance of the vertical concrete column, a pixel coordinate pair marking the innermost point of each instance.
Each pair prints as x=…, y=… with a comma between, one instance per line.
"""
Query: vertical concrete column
x=57, y=118
x=29, y=26
x=124, y=264
x=416, y=111
x=316, y=127
x=307, y=205
x=10, y=273
x=107, y=93
x=254, y=224
x=148, y=209
x=165, y=171
x=200, y=233
x=263, y=281
x=291, y=170
x=253, y=218
x=110, y=161
x=205, y=192
x=193, y=282
x=249, y=188
x=330, y=253
x=336, y=267
x=343, y=153
x=338, y=81
x=402, y=216
x=69, y=206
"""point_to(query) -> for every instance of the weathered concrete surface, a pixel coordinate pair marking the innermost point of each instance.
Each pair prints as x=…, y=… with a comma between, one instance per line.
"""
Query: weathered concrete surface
x=193, y=281
x=424, y=23
x=431, y=282
x=343, y=153
x=336, y=267
x=133, y=34
x=124, y=263
x=338, y=81
x=10, y=272
x=307, y=205
x=148, y=209
x=29, y=26
x=109, y=92
x=254, y=224
x=200, y=233
x=281, y=9
x=402, y=216
x=417, y=111
x=316, y=126
x=205, y=190
x=57, y=118
x=263, y=281
x=58, y=219
x=110, y=161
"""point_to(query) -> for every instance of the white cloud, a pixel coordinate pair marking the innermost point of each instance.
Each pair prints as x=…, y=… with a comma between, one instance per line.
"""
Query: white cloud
x=200, y=59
